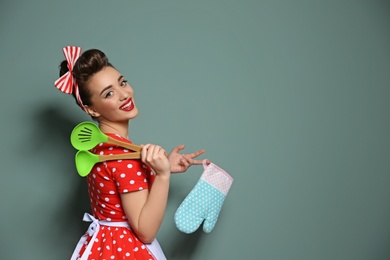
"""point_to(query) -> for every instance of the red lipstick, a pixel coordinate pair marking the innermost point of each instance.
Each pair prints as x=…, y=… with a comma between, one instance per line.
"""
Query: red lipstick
x=128, y=105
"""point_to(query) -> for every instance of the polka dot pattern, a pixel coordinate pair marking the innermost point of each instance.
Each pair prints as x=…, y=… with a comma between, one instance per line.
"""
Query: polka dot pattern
x=116, y=243
x=109, y=179
x=204, y=202
x=106, y=182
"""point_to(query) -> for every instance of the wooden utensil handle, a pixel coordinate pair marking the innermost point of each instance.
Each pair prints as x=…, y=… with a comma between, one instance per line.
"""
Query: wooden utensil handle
x=103, y=158
x=132, y=147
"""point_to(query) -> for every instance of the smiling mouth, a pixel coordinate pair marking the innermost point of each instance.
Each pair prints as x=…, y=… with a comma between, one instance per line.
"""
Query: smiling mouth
x=129, y=105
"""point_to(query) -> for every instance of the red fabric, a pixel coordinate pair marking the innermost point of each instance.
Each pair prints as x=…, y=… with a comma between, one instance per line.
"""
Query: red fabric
x=105, y=183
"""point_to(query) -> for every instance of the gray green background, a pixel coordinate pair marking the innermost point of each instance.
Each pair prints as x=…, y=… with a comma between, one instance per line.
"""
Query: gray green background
x=290, y=97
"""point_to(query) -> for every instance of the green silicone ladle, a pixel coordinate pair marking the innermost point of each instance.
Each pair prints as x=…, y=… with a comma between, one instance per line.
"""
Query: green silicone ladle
x=86, y=160
x=87, y=135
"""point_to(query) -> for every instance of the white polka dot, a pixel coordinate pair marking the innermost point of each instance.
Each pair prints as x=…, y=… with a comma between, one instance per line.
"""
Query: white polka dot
x=112, y=192
x=125, y=190
x=129, y=166
x=103, y=205
x=132, y=182
x=123, y=175
x=98, y=169
x=140, y=188
x=118, y=205
x=101, y=153
x=106, y=199
x=127, y=254
x=111, y=148
x=112, y=212
x=126, y=150
x=113, y=169
x=119, y=249
x=108, y=247
x=135, y=249
x=139, y=173
x=93, y=175
x=108, y=219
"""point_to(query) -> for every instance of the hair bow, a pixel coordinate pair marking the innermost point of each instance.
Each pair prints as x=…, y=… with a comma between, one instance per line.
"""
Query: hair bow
x=66, y=83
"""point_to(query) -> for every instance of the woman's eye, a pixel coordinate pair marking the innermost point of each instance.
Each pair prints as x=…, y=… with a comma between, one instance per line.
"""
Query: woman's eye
x=109, y=93
x=124, y=83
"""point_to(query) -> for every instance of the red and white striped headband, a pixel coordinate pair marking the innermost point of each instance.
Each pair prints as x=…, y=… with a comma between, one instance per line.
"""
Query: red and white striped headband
x=67, y=83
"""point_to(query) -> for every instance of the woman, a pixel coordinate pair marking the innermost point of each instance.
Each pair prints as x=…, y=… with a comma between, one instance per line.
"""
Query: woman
x=128, y=197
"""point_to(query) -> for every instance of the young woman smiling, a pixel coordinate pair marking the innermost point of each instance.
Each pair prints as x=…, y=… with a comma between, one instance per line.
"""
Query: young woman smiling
x=128, y=197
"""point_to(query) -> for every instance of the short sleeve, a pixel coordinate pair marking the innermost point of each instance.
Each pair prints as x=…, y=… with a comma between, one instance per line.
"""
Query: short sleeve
x=130, y=175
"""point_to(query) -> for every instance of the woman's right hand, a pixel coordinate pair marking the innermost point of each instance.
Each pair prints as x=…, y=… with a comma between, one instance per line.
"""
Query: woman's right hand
x=154, y=156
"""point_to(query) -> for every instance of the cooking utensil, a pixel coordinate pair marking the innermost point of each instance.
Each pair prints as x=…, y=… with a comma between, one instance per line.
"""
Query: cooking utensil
x=86, y=160
x=87, y=135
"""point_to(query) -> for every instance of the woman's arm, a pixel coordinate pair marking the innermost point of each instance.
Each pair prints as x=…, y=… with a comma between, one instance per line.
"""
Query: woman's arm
x=145, y=209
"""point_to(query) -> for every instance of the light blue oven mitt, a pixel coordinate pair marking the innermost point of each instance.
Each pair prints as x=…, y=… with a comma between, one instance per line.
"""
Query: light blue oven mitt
x=205, y=200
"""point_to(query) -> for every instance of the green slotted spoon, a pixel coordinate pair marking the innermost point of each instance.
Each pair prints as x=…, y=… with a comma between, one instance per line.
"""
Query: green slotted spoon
x=86, y=160
x=87, y=135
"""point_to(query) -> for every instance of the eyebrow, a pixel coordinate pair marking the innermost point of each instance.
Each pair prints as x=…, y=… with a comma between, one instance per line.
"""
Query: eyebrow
x=110, y=86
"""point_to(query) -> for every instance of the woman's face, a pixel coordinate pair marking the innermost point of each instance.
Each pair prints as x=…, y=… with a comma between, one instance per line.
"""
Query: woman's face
x=112, y=97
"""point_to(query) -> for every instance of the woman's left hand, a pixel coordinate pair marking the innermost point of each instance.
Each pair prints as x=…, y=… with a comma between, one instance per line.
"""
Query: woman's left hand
x=181, y=162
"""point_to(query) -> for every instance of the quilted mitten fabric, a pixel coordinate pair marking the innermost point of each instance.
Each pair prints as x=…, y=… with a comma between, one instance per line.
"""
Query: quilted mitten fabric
x=205, y=200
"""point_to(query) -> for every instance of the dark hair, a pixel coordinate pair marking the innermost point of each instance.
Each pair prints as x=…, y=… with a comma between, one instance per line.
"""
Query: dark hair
x=88, y=64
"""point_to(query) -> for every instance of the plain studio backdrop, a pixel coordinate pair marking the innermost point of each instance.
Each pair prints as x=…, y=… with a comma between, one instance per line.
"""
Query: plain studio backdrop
x=289, y=97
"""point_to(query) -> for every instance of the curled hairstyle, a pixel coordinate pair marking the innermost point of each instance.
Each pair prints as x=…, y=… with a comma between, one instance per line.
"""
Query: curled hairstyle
x=88, y=64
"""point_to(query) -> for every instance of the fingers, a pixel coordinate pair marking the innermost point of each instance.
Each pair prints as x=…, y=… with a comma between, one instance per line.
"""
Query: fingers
x=178, y=148
x=151, y=152
x=197, y=153
x=186, y=161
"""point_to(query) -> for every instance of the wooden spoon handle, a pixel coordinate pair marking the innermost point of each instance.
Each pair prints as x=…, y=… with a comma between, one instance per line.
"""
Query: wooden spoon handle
x=133, y=147
x=103, y=158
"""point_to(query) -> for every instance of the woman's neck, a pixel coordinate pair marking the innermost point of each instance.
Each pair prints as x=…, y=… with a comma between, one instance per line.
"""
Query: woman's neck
x=119, y=128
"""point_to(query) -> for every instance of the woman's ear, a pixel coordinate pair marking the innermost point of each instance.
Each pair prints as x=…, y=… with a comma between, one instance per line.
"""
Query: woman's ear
x=90, y=111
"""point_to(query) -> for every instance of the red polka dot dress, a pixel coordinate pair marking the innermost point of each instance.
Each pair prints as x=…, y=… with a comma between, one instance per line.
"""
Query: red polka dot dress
x=105, y=183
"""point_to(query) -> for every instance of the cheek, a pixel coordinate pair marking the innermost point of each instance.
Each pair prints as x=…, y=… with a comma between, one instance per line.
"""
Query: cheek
x=111, y=106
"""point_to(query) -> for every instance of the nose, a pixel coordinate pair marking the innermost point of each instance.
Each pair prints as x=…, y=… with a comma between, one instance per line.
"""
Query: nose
x=123, y=94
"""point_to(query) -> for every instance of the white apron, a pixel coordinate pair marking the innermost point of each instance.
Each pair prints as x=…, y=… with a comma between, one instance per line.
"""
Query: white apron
x=93, y=229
